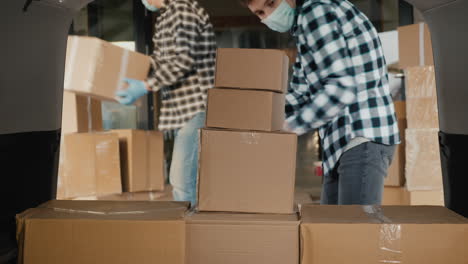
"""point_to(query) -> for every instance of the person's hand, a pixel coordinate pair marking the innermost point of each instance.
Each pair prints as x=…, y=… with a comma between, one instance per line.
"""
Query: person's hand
x=136, y=89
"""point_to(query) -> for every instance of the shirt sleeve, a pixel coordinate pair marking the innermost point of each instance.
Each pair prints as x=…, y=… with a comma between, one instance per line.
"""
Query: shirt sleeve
x=326, y=68
x=171, y=70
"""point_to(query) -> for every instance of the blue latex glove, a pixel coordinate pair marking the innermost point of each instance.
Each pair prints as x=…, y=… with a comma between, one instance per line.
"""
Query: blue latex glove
x=136, y=89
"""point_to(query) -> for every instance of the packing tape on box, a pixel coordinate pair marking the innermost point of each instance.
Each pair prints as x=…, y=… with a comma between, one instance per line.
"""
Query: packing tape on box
x=123, y=69
x=108, y=212
x=422, y=57
x=390, y=236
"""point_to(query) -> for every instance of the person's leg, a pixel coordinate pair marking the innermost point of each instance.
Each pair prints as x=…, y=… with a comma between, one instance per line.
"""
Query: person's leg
x=184, y=167
x=361, y=172
x=330, y=189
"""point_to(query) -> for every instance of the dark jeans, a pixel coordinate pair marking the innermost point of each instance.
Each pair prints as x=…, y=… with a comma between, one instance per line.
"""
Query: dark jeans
x=359, y=176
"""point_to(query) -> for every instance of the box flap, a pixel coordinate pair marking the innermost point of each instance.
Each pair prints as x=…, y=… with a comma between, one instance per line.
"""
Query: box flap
x=108, y=210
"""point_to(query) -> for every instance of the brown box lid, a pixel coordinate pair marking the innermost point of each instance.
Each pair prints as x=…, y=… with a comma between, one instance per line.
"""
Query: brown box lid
x=261, y=69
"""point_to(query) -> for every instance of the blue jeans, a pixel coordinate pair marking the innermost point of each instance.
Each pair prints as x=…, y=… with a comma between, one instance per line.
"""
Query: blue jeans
x=184, y=166
x=359, y=176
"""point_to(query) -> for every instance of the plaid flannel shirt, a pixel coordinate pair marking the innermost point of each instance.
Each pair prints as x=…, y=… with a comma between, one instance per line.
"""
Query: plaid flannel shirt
x=340, y=81
x=183, y=61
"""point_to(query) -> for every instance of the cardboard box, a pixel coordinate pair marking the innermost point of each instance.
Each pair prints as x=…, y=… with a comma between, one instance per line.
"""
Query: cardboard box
x=103, y=232
x=390, y=234
x=142, y=160
x=214, y=238
x=247, y=110
x=251, y=172
x=95, y=67
x=395, y=196
x=415, y=46
x=401, y=196
x=259, y=69
x=89, y=165
x=427, y=198
x=80, y=114
x=421, y=99
x=396, y=172
x=423, y=165
x=422, y=113
x=420, y=82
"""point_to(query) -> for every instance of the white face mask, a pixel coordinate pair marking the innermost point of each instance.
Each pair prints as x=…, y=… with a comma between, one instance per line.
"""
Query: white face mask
x=282, y=19
x=149, y=6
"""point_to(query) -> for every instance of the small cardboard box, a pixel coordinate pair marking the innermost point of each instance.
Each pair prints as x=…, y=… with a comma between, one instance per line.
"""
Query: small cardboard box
x=142, y=160
x=214, y=238
x=415, y=46
x=103, y=232
x=244, y=171
x=89, y=165
x=259, y=69
x=80, y=114
x=389, y=234
x=95, y=67
x=423, y=164
x=245, y=110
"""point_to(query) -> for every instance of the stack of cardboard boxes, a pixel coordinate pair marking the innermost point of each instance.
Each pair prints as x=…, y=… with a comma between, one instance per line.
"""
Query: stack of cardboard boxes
x=246, y=185
x=94, y=163
x=247, y=166
x=419, y=124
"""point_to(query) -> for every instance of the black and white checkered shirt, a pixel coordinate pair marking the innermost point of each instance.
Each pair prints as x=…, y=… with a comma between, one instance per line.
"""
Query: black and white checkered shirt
x=184, y=61
x=340, y=82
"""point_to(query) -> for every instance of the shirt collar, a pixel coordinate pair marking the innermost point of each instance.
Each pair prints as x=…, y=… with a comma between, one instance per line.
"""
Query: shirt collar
x=294, y=29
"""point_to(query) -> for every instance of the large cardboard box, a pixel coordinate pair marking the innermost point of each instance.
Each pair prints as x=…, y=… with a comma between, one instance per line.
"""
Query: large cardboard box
x=423, y=165
x=89, y=165
x=251, y=172
x=259, y=69
x=80, y=114
x=396, y=172
x=142, y=160
x=78, y=232
x=243, y=109
x=390, y=234
x=415, y=46
x=214, y=238
x=95, y=67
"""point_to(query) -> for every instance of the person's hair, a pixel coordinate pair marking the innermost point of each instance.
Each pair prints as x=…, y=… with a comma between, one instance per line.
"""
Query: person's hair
x=245, y=2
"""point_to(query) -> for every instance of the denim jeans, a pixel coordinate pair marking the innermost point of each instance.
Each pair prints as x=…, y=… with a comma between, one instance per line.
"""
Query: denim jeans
x=359, y=176
x=184, y=166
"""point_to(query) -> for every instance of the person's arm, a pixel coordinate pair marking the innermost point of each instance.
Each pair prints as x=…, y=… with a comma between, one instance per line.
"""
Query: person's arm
x=327, y=69
x=169, y=71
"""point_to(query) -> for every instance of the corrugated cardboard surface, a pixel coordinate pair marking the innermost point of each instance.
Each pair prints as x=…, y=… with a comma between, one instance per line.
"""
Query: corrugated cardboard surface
x=410, y=46
x=421, y=99
x=80, y=114
x=242, y=171
x=214, y=238
x=401, y=196
x=392, y=234
x=423, y=165
x=89, y=165
x=243, y=109
x=395, y=196
x=142, y=160
x=261, y=69
x=95, y=67
x=79, y=232
x=396, y=172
